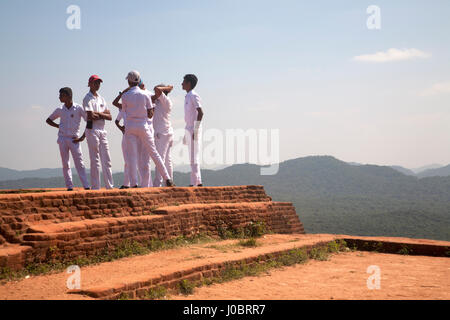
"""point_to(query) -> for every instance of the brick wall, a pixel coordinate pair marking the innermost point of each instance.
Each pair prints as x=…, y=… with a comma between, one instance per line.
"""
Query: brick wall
x=61, y=224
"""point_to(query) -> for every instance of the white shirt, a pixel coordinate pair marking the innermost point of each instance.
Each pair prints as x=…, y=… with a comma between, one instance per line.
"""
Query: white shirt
x=150, y=120
x=95, y=104
x=135, y=104
x=161, y=117
x=69, y=125
x=192, y=101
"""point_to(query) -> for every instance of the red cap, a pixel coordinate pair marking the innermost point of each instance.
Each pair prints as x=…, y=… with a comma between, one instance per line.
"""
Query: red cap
x=94, y=78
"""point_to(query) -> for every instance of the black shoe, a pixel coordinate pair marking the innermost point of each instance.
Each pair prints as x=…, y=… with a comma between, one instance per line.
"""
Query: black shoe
x=135, y=187
x=169, y=183
x=200, y=185
x=70, y=189
x=87, y=188
x=124, y=187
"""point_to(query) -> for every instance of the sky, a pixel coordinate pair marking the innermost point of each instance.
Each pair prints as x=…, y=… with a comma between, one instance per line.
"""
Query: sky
x=311, y=69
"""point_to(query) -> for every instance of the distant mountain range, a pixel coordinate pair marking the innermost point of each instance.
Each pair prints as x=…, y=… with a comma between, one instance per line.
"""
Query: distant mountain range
x=332, y=196
x=432, y=170
x=424, y=172
x=10, y=174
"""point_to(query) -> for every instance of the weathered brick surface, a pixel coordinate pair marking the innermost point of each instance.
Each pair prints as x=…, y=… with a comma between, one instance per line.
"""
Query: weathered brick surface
x=172, y=280
x=60, y=224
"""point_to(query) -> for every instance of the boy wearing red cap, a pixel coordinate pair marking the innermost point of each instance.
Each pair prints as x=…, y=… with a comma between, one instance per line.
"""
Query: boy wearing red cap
x=97, y=112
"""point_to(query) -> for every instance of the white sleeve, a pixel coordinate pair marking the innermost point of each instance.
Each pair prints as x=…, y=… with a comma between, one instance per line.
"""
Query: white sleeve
x=196, y=101
x=105, y=104
x=56, y=114
x=86, y=104
x=83, y=113
x=165, y=101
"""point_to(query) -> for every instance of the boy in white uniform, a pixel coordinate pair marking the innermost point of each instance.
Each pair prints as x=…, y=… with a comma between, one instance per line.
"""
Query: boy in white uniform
x=97, y=112
x=138, y=107
x=144, y=169
x=126, y=178
x=193, y=115
x=69, y=128
x=163, y=129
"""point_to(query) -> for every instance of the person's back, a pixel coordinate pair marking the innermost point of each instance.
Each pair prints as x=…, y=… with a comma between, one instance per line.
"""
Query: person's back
x=135, y=104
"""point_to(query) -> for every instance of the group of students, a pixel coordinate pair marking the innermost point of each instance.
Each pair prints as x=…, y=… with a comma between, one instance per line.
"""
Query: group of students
x=146, y=127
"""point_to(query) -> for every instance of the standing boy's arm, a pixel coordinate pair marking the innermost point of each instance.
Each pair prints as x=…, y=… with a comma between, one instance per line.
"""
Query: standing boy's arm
x=84, y=116
x=105, y=115
x=121, y=128
x=52, y=123
x=149, y=107
x=199, y=114
x=80, y=139
x=51, y=119
x=198, y=106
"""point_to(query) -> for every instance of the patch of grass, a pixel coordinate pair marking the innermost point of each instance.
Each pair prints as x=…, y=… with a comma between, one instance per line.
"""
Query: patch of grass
x=404, y=250
x=249, y=243
x=124, y=296
x=186, y=287
x=156, y=293
x=320, y=254
x=253, y=229
x=378, y=247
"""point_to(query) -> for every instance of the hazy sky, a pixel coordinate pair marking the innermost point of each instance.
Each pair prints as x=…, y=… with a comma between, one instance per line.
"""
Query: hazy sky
x=311, y=69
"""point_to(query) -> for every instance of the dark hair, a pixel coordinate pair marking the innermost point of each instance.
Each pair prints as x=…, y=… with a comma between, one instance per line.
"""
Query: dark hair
x=192, y=79
x=66, y=90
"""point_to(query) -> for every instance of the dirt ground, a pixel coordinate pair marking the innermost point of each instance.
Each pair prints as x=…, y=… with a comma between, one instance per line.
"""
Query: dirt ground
x=343, y=277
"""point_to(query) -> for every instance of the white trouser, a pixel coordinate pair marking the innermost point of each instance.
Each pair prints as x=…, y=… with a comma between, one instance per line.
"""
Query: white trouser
x=164, y=143
x=126, y=167
x=194, y=147
x=66, y=145
x=99, y=151
x=142, y=133
x=145, y=171
x=144, y=164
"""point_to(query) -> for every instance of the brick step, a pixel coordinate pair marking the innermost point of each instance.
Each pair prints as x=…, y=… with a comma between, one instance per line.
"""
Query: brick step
x=135, y=276
x=48, y=208
x=71, y=239
x=12, y=256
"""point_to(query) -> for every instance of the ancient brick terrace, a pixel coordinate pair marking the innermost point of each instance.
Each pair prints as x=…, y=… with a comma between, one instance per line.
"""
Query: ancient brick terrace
x=37, y=225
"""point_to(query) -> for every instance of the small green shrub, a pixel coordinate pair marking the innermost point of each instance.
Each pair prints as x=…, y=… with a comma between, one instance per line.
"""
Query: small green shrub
x=186, y=287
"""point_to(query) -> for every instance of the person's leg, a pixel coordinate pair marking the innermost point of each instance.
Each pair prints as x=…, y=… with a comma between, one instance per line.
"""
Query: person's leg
x=145, y=168
x=67, y=172
x=106, y=160
x=194, y=152
x=162, y=146
x=126, y=174
x=77, y=155
x=132, y=157
x=168, y=158
x=94, y=156
x=148, y=144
